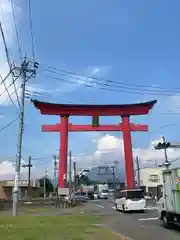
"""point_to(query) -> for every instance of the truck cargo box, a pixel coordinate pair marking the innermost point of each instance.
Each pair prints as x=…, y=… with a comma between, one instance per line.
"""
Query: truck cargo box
x=171, y=179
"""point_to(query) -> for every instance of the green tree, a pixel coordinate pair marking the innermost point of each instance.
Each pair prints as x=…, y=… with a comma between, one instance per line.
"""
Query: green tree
x=48, y=185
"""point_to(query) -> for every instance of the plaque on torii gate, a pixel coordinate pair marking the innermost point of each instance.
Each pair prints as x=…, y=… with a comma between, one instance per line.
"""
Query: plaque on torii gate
x=95, y=111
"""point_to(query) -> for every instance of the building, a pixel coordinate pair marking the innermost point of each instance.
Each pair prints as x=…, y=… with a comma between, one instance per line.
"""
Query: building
x=6, y=188
x=151, y=179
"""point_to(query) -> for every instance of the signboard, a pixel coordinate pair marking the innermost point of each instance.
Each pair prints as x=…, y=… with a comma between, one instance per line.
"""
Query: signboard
x=63, y=191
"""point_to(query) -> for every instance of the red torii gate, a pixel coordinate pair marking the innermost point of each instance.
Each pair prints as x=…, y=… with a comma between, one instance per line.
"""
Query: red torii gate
x=66, y=110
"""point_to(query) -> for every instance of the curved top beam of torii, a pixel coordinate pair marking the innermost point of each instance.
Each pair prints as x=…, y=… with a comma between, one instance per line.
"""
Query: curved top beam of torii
x=94, y=110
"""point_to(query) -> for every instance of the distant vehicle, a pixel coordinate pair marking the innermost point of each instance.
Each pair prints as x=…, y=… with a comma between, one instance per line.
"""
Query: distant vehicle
x=103, y=194
x=130, y=200
x=111, y=192
x=79, y=196
x=95, y=195
x=90, y=195
x=169, y=204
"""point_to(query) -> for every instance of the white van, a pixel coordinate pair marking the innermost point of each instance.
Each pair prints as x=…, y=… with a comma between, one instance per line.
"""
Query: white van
x=130, y=200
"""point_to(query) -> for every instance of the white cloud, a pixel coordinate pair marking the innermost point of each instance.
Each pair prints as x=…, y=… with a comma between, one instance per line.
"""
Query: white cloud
x=110, y=149
x=6, y=18
x=7, y=170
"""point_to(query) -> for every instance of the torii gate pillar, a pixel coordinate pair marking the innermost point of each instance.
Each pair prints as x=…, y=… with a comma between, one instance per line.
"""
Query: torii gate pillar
x=128, y=154
x=62, y=178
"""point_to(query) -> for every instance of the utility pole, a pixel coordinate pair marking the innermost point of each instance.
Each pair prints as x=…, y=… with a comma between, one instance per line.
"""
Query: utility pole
x=114, y=177
x=23, y=70
x=74, y=170
x=138, y=172
x=29, y=165
x=162, y=144
x=70, y=175
x=29, y=178
x=166, y=163
x=45, y=175
x=55, y=168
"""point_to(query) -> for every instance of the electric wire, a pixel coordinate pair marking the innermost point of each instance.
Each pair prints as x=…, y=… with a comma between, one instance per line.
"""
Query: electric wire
x=31, y=29
x=15, y=79
x=105, y=80
x=16, y=29
x=20, y=86
x=9, y=124
x=9, y=62
x=6, y=89
x=112, y=88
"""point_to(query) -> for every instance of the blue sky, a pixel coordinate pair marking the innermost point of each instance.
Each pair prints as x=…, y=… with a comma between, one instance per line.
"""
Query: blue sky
x=134, y=42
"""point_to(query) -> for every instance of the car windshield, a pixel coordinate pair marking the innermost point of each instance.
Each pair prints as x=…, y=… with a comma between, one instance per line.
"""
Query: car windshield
x=134, y=194
x=83, y=194
x=105, y=191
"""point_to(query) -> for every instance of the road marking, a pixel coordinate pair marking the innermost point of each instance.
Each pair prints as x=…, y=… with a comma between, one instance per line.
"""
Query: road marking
x=151, y=208
x=148, y=219
x=100, y=206
x=114, y=208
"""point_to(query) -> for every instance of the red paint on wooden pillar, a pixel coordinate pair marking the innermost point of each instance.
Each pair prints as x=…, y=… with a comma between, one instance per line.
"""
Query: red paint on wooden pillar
x=128, y=152
x=63, y=152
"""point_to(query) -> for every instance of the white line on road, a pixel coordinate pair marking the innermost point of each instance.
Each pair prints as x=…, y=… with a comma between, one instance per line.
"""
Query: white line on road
x=114, y=208
x=151, y=208
x=148, y=219
x=100, y=206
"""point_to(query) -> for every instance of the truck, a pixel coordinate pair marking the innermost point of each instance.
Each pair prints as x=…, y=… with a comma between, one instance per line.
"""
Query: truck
x=169, y=203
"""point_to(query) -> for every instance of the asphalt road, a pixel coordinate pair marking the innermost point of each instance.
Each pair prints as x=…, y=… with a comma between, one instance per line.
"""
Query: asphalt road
x=138, y=226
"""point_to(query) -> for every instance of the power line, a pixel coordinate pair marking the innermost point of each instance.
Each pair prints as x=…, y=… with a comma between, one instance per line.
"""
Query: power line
x=8, y=60
x=20, y=86
x=16, y=29
x=112, y=88
x=9, y=124
x=31, y=29
x=107, y=80
x=9, y=94
x=15, y=79
x=4, y=79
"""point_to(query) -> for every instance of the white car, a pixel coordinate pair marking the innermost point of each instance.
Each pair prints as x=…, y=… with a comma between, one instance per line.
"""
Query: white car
x=103, y=194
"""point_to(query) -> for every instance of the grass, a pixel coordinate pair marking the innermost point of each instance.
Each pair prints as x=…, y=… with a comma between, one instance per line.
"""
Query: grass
x=75, y=227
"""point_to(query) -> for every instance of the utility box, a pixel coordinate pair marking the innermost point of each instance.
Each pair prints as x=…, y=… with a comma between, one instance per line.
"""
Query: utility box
x=171, y=180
